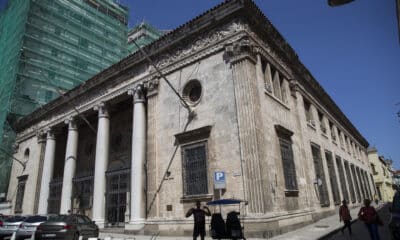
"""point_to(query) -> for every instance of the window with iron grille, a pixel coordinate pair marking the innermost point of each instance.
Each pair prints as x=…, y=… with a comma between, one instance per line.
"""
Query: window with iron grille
x=332, y=177
x=345, y=192
x=356, y=179
x=350, y=181
x=20, y=193
x=194, y=159
x=320, y=180
x=289, y=168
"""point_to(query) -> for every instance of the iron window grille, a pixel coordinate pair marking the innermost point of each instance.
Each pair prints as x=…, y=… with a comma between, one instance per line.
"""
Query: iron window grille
x=289, y=168
x=194, y=159
x=332, y=177
x=350, y=181
x=117, y=196
x=342, y=178
x=359, y=190
x=54, y=200
x=83, y=191
x=320, y=180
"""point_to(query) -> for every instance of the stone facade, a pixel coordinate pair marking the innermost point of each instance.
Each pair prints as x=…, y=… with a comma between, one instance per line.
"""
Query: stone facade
x=252, y=111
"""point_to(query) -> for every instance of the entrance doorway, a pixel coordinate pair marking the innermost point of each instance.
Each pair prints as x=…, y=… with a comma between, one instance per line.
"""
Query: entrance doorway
x=117, y=194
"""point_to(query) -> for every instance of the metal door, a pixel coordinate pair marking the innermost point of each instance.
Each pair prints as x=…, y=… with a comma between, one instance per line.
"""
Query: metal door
x=116, y=197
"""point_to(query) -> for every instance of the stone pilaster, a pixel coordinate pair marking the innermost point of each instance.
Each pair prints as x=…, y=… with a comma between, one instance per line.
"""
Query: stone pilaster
x=241, y=56
x=101, y=163
x=41, y=139
x=153, y=180
x=307, y=187
x=138, y=175
x=69, y=166
x=47, y=173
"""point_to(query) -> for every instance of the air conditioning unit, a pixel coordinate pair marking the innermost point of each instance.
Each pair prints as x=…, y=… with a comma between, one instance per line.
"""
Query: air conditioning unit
x=333, y=137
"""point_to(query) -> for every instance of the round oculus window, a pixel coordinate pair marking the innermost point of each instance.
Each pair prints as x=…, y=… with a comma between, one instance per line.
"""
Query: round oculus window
x=192, y=92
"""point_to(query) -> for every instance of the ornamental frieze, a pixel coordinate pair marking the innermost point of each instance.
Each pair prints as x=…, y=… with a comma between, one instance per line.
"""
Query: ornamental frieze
x=201, y=42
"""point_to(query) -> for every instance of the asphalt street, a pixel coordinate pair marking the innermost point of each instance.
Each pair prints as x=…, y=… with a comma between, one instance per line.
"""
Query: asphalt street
x=360, y=232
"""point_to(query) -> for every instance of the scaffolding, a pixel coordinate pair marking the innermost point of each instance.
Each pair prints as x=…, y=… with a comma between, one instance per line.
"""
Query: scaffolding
x=142, y=34
x=48, y=47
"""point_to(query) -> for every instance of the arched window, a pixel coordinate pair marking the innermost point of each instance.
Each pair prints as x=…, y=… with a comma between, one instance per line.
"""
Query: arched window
x=26, y=154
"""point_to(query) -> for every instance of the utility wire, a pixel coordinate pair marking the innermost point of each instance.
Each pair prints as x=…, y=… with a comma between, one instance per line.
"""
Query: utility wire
x=23, y=164
x=69, y=103
x=166, y=170
x=163, y=77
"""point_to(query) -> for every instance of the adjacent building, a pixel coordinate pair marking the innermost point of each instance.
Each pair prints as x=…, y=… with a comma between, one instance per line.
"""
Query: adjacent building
x=396, y=179
x=48, y=47
x=141, y=35
x=252, y=124
x=383, y=176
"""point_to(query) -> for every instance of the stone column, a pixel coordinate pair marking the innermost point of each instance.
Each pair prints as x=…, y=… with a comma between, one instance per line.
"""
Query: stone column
x=69, y=166
x=138, y=195
x=101, y=163
x=47, y=173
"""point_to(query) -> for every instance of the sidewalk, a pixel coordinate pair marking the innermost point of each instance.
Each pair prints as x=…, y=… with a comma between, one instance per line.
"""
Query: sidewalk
x=315, y=231
x=322, y=228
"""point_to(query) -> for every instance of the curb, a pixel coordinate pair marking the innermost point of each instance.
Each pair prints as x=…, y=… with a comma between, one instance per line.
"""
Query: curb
x=333, y=232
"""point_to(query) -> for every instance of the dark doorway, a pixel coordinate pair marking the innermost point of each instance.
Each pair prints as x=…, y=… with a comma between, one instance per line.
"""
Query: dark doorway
x=116, y=197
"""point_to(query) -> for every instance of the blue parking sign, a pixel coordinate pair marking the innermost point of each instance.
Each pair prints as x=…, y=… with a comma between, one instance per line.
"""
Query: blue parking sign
x=219, y=180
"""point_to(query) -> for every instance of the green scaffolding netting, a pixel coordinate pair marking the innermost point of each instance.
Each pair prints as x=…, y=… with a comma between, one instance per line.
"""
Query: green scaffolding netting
x=48, y=47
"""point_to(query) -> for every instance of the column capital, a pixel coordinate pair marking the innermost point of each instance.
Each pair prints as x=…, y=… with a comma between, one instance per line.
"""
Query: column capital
x=50, y=133
x=138, y=92
x=151, y=86
x=15, y=147
x=41, y=136
x=102, y=109
x=244, y=48
x=71, y=121
x=294, y=86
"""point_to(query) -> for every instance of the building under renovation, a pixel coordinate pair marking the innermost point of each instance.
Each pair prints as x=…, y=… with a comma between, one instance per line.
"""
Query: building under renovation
x=124, y=149
x=141, y=35
x=48, y=47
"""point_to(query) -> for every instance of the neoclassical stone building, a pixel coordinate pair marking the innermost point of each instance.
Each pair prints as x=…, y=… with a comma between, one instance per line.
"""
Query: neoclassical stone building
x=124, y=149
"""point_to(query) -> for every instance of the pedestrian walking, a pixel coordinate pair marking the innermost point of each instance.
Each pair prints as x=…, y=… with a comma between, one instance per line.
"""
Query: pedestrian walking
x=370, y=217
x=344, y=215
x=199, y=216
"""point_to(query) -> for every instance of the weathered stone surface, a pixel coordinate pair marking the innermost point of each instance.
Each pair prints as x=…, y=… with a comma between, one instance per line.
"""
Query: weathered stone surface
x=239, y=105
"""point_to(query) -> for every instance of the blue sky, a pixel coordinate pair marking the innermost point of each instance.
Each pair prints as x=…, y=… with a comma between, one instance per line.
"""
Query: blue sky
x=353, y=51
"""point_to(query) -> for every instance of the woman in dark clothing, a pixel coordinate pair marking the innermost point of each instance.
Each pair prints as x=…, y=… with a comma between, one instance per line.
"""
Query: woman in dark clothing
x=344, y=215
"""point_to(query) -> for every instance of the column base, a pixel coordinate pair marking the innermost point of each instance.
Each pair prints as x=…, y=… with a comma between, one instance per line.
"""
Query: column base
x=99, y=222
x=135, y=225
